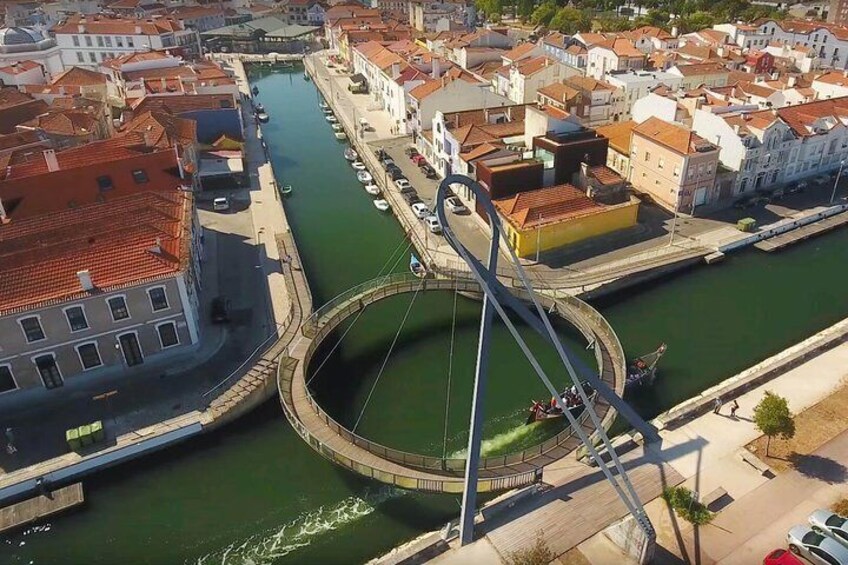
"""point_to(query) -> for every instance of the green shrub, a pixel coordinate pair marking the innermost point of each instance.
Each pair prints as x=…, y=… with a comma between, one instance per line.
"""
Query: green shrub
x=537, y=554
x=682, y=500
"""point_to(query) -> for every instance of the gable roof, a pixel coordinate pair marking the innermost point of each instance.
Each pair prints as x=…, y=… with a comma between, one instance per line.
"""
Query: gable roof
x=546, y=205
x=675, y=137
x=619, y=134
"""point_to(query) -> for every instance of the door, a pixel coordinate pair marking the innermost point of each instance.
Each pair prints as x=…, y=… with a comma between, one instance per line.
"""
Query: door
x=49, y=371
x=131, y=349
x=700, y=196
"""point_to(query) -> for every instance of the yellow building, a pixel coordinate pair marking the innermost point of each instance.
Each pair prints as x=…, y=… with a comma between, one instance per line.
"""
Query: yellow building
x=552, y=217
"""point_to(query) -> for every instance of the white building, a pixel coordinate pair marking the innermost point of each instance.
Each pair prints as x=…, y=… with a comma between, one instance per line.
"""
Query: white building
x=89, y=41
x=611, y=56
x=831, y=85
x=18, y=44
x=829, y=41
x=23, y=73
x=770, y=147
x=637, y=84
x=527, y=77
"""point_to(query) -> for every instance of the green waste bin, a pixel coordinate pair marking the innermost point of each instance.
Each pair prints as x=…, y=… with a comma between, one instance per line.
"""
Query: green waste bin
x=746, y=224
x=85, y=435
x=73, y=439
x=97, y=433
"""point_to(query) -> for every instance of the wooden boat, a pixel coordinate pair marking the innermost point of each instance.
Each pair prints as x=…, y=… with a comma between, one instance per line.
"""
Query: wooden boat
x=643, y=370
x=287, y=189
x=573, y=403
x=340, y=135
x=416, y=268
x=255, y=90
x=372, y=189
x=262, y=117
x=350, y=154
x=364, y=177
x=381, y=205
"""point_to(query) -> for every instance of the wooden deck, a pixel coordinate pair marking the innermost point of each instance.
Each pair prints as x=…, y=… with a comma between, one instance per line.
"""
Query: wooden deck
x=778, y=242
x=33, y=509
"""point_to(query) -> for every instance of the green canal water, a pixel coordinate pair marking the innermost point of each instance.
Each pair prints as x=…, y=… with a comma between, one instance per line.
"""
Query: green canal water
x=254, y=493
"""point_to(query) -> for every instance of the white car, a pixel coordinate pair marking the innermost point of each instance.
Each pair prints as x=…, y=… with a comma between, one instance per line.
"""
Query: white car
x=833, y=525
x=435, y=227
x=455, y=205
x=402, y=183
x=221, y=204
x=816, y=547
x=421, y=210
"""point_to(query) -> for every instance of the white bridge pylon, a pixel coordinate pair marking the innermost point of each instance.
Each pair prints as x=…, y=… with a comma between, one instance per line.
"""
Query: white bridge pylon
x=496, y=296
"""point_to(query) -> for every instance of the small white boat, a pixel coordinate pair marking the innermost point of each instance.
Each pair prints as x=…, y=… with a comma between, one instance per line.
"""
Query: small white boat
x=372, y=189
x=358, y=165
x=381, y=205
x=260, y=107
x=338, y=127
x=323, y=105
x=332, y=119
x=262, y=117
x=328, y=111
x=287, y=189
x=364, y=177
x=340, y=135
x=350, y=154
x=416, y=268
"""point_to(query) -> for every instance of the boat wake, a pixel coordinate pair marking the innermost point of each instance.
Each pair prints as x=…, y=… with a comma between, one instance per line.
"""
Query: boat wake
x=275, y=543
x=519, y=437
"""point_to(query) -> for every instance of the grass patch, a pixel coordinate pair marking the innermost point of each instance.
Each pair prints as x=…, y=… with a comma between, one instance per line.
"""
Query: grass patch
x=682, y=500
x=814, y=427
x=537, y=554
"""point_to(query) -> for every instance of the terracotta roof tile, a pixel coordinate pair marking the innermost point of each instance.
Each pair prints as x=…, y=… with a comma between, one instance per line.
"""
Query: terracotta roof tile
x=546, y=205
x=619, y=135
x=559, y=92
x=103, y=25
x=20, y=67
x=673, y=136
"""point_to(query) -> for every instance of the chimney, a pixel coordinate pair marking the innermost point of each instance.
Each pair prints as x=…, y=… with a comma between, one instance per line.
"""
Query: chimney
x=80, y=28
x=791, y=82
x=85, y=280
x=437, y=67
x=138, y=30
x=157, y=247
x=51, y=160
x=674, y=31
x=163, y=83
x=148, y=139
x=395, y=70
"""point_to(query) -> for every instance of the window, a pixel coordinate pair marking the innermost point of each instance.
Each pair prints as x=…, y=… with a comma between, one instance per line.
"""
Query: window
x=660, y=163
x=108, y=41
x=139, y=176
x=76, y=318
x=7, y=381
x=92, y=57
x=32, y=329
x=80, y=58
x=647, y=156
x=118, y=307
x=88, y=41
x=130, y=42
x=119, y=41
x=48, y=370
x=104, y=183
x=100, y=41
x=168, y=335
x=89, y=355
x=75, y=39
x=158, y=299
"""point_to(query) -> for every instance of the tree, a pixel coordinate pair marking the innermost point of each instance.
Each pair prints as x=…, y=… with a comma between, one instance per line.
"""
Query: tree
x=773, y=418
x=525, y=9
x=544, y=13
x=570, y=21
x=492, y=8
x=695, y=21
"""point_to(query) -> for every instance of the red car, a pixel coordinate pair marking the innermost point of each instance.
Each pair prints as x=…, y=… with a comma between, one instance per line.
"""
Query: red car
x=781, y=557
x=418, y=159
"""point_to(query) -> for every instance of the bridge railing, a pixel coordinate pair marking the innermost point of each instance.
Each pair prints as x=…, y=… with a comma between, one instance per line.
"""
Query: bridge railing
x=346, y=304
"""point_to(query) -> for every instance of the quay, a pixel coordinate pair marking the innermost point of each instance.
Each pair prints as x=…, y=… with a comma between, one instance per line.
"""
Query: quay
x=801, y=233
x=41, y=506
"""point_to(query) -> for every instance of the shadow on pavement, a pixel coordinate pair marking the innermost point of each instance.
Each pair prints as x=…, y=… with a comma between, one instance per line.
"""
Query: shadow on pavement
x=820, y=468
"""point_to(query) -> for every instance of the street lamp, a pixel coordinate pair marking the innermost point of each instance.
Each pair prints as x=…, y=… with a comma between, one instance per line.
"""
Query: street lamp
x=836, y=182
x=538, y=237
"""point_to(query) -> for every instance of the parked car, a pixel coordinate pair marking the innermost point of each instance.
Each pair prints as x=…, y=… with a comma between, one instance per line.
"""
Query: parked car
x=781, y=557
x=220, y=310
x=419, y=160
x=402, y=183
x=831, y=524
x=815, y=547
x=221, y=204
x=410, y=197
x=429, y=172
x=387, y=162
x=381, y=154
x=433, y=224
x=396, y=174
x=455, y=205
x=407, y=189
x=799, y=186
x=410, y=152
x=421, y=210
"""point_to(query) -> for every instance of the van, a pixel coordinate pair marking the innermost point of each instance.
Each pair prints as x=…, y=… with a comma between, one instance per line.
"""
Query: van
x=221, y=204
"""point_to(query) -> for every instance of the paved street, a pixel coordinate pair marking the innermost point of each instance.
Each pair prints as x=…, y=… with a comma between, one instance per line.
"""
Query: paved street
x=160, y=388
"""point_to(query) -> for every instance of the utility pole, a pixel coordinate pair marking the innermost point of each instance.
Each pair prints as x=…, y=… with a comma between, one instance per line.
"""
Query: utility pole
x=836, y=182
x=538, y=237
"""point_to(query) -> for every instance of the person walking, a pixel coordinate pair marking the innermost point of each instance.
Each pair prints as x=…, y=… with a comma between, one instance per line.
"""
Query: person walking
x=10, y=442
x=717, y=406
x=733, y=408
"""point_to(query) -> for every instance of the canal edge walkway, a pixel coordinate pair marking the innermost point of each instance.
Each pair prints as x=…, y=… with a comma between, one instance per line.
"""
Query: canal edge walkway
x=247, y=387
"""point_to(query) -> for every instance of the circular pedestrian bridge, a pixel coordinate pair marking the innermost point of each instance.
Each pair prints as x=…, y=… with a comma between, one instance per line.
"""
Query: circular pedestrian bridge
x=422, y=472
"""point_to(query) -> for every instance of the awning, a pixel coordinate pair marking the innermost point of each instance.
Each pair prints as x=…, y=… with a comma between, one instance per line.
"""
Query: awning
x=358, y=78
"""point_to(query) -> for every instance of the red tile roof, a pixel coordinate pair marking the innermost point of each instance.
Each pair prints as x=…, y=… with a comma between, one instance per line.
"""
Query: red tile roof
x=184, y=103
x=546, y=205
x=78, y=76
x=161, y=129
x=20, y=67
x=103, y=25
x=520, y=51
x=16, y=108
x=65, y=122
x=40, y=256
x=673, y=136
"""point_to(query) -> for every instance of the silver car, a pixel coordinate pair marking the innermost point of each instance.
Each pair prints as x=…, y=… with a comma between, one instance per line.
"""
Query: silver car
x=834, y=525
x=816, y=547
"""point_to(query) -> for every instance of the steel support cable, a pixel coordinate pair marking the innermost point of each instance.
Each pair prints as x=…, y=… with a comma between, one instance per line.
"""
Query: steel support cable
x=358, y=314
x=450, y=373
x=479, y=271
x=388, y=355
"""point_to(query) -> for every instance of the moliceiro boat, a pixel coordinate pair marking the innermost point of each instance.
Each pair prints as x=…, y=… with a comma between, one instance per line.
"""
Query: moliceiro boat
x=643, y=370
x=573, y=402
